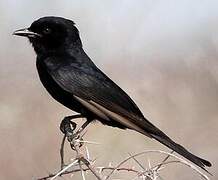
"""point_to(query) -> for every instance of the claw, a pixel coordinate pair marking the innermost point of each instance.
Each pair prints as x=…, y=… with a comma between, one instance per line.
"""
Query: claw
x=76, y=141
x=67, y=126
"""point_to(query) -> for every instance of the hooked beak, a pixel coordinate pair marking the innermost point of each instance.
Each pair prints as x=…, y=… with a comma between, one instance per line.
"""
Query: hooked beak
x=26, y=33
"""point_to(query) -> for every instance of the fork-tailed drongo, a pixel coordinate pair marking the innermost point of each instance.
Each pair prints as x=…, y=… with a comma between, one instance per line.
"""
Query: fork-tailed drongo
x=73, y=79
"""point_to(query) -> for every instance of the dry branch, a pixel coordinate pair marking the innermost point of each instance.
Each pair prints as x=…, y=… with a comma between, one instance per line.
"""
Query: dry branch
x=83, y=163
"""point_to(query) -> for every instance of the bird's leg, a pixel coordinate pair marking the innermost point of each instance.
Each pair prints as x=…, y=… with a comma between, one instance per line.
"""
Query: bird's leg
x=83, y=126
x=67, y=127
x=76, y=138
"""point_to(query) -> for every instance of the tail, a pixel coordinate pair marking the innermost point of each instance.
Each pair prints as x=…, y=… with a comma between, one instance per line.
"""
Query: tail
x=164, y=139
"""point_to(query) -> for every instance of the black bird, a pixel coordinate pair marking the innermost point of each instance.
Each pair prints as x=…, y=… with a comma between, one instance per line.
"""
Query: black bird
x=73, y=79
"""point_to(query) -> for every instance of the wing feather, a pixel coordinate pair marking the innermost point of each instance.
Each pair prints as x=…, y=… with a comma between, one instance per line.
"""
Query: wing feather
x=101, y=95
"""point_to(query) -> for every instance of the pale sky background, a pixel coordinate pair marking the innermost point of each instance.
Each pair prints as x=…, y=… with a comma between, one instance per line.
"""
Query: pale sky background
x=163, y=53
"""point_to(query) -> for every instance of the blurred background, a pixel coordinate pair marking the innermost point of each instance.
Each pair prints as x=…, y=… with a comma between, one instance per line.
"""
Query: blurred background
x=163, y=53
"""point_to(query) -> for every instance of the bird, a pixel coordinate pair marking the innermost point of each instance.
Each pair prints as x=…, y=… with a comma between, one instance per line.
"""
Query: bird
x=72, y=79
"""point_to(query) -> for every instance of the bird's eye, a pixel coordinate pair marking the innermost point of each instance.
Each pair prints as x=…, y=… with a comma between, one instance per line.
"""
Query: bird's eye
x=47, y=31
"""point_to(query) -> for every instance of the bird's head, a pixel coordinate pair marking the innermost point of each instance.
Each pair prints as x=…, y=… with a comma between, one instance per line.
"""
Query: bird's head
x=51, y=34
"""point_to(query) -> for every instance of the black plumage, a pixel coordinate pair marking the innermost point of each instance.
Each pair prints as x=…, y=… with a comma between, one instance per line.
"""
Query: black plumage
x=73, y=79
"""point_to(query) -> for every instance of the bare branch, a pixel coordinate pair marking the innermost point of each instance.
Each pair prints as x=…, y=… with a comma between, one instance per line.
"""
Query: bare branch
x=65, y=169
x=162, y=152
x=83, y=162
x=137, y=161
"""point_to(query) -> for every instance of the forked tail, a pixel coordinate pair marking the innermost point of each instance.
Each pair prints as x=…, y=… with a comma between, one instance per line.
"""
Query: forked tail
x=164, y=139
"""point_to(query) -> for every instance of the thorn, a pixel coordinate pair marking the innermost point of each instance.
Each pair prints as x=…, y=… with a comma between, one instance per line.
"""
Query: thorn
x=83, y=174
x=88, y=142
x=87, y=153
x=110, y=164
x=149, y=163
x=100, y=170
x=157, y=170
x=92, y=162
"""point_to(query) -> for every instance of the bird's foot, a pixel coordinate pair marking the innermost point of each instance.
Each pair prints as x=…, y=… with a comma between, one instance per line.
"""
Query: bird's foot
x=76, y=141
x=67, y=126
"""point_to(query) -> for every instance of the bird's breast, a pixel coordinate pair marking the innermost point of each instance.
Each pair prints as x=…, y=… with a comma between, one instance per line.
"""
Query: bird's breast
x=55, y=90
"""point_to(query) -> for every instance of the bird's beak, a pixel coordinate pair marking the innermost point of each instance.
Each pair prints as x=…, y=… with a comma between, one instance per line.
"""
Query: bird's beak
x=26, y=33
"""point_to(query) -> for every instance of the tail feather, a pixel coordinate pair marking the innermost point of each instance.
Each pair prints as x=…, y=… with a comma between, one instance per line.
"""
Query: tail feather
x=164, y=139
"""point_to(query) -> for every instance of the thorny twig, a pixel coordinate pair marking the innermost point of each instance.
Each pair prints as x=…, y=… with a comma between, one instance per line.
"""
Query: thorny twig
x=180, y=160
x=83, y=162
x=76, y=142
x=164, y=160
x=86, y=162
x=118, y=168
